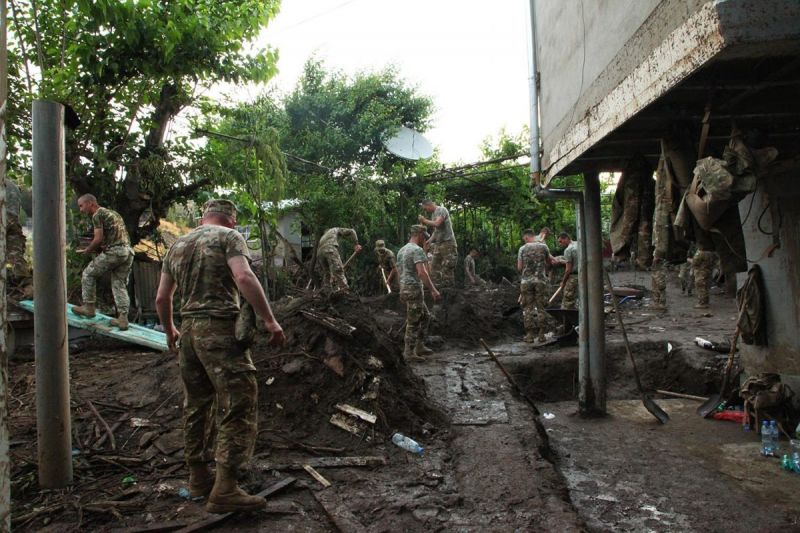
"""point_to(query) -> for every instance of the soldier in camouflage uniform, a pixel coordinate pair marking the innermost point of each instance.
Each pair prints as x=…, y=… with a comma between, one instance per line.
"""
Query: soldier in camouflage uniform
x=686, y=274
x=702, y=266
x=210, y=267
x=569, y=284
x=111, y=235
x=469, y=269
x=445, y=253
x=411, y=263
x=19, y=270
x=330, y=260
x=658, y=281
x=386, y=261
x=533, y=260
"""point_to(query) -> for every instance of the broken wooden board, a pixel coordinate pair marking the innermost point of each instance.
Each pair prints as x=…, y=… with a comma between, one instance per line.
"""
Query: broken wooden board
x=100, y=324
x=316, y=475
x=358, y=413
x=203, y=524
x=629, y=291
x=367, y=461
x=336, y=325
x=344, y=520
x=355, y=426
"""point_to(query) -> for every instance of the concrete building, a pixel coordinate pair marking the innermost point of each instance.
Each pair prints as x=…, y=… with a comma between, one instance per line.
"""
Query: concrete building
x=614, y=76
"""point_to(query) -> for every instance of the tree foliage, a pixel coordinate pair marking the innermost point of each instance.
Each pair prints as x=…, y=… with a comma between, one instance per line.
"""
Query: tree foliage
x=128, y=68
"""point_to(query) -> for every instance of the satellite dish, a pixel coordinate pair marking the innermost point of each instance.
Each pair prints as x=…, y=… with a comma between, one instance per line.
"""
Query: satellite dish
x=409, y=144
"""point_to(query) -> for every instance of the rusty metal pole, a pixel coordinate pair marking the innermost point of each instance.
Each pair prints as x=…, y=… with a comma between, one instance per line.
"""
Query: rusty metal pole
x=596, y=404
x=50, y=284
x=584, y=388
x=5, y=466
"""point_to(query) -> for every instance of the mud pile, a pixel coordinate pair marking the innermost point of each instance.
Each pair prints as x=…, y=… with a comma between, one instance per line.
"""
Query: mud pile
x=489, y=313
x=336, y=353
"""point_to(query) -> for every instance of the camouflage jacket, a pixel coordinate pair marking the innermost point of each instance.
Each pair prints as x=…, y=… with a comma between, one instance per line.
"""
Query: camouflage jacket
x=407, y=259
x=330, y=239
x=534, y=260
x=198, y=262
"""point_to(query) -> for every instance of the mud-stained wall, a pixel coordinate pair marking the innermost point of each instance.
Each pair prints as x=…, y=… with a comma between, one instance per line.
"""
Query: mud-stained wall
x=781, y=275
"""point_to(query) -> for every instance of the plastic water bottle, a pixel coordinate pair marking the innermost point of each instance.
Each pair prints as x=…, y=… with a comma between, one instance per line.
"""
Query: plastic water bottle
x=766, y=437
x=406, y=443
x=776, y=436
x=701, y=342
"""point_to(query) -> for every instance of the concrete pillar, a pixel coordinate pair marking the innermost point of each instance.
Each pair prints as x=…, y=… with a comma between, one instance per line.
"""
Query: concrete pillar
x=596, y=404
x=50, y=284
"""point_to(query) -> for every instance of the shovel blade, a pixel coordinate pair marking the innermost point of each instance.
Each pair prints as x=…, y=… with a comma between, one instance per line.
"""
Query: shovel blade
x=655, y=410
x=709, y=406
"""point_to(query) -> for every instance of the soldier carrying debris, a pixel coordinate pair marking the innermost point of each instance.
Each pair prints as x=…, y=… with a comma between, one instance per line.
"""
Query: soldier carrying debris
x=209, y=267
x=569, y=284
x=111, y=235
x=330, y=260
x=469, y=268
x=411, y=263
x=445, y=253
x=533, y=259
x=386, y=262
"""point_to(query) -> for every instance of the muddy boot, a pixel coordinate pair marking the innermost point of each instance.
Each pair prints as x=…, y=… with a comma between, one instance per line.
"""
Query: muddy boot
x=87, y=310
x=530, y=337
x=201, y=480
x=541, y=336
x=227, y=497
x=701, y=306
x=121, y=321
x=421, y=349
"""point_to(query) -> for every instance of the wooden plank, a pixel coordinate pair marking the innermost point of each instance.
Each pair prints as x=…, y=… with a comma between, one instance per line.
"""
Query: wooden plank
x=100, y=324
x=344, y=520
x=316, y=475
x=359, y=413
x=198, y=526
x=369, y=461
x=336, y=325
x=160, y=527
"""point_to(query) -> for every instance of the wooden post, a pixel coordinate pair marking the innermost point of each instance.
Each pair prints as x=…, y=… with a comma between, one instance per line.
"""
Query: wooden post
x=5, y=466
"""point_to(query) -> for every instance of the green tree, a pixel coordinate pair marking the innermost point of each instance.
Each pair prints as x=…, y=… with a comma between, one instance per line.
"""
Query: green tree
x=128, y=69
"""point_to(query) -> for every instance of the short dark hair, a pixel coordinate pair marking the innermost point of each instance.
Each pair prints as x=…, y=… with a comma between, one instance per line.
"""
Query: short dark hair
x=474, y=250
x=545, y=230
x=529, y=232
x=427, y=201
x=564, y=235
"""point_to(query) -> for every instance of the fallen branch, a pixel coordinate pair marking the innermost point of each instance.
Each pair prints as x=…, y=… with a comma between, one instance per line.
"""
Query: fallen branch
x=367, y=461
x=103, y=422
x=316, y=475
x=115, y=427
x=17, y=520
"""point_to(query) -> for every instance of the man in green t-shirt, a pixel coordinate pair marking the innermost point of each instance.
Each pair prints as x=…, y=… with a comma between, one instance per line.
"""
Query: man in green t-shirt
x=210, y=267
x=411, y=263
x=573, y=264
x=111, y=236
x=445, y=253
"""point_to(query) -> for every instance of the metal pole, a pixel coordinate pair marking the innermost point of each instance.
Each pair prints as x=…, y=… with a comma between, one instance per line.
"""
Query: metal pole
x=533, y=72
x=596, y=405
x=5, y=466
x=50, y=283
x=584, y=381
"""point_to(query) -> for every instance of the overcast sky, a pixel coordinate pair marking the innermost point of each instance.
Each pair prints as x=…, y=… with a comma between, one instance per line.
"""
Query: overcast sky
x=469, y=56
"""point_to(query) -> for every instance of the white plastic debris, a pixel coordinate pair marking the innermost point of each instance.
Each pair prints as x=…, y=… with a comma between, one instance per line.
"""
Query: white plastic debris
x=549, y=416
x=271, y=380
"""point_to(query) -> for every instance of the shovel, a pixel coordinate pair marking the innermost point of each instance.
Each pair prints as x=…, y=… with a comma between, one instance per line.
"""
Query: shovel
x=388, y=288
x=648, y=402
x=718, y=399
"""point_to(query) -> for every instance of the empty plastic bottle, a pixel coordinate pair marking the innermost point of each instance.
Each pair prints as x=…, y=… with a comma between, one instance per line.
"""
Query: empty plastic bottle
x=701, y=342
x=776, y=436
x=406, y=443
x=766, y=437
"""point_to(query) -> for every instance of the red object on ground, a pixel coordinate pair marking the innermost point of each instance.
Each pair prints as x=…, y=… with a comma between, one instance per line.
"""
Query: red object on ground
x=733, y=416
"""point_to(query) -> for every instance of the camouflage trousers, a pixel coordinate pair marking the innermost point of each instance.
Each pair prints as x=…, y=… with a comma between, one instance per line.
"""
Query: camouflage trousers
x=219, y=385
x=644, y=253
x=445, y=257
x=686, y=275
x=534, y=305
x=18, y=267
x=417, y=316
x=659, y=284
x=117, y=260
x=332, y=269
x=570, y=298
x=702, y=265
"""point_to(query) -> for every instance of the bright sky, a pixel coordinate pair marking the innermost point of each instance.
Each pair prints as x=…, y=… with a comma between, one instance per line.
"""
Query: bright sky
x=469, y=56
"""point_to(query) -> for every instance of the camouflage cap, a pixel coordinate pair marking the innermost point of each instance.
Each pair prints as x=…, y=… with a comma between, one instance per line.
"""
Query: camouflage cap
x=218, y=205
x=380, y=245
x=418, y=229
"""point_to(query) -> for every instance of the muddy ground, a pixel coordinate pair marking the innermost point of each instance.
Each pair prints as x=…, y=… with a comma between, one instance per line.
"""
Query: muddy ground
x=489, y=463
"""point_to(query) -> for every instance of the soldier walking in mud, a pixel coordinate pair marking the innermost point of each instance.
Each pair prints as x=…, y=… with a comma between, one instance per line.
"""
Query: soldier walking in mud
x=658, y=284
x=702, y=266
x=533, y=259
x=569, y=284
x=330, y=260
x=445, y=253
x=111, y=236
x=210, y=267
x=469, y=269
x=386, y=261
x=411, y=262
x=686, y=273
